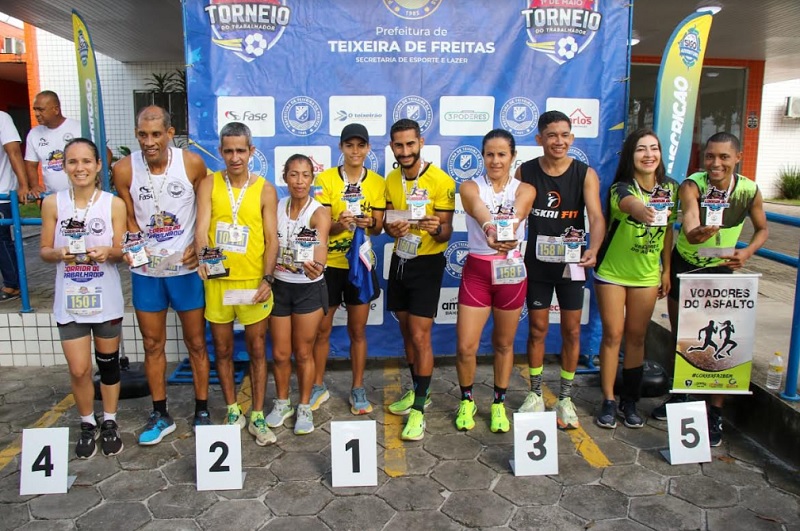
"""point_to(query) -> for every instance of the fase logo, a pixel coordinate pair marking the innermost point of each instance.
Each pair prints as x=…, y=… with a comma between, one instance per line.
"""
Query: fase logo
x=258, y=113
x=414, y=108
x=464, y=163
x=302, y=116
x=562, y=29
x=412, y=9
x=520, y=116
x=465, y=115
x=367, y=110
x=584, y=113
x=248, y=29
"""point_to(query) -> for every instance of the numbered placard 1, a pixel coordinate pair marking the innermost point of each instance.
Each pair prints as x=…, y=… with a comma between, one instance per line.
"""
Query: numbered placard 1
x=687, y=425
x=354, y=453
x=535, y=444
x=43, y=467
x=218, y=450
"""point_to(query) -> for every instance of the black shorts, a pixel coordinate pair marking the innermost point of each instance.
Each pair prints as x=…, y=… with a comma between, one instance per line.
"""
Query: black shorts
x=568, y=292
x=341, y=290
x=105, y=330
x=299, y=298
x=678, y=266
x=414, y=285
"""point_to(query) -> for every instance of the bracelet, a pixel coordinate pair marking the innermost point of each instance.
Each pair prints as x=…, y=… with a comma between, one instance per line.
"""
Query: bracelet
x=269, y=279
x=485, y=223
x=320, y=264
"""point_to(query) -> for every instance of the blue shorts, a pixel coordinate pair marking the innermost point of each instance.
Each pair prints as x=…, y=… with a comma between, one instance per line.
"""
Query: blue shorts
x=155, y=294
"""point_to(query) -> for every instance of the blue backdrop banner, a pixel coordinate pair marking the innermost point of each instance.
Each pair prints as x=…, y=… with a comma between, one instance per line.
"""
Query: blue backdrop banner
x=298, y=71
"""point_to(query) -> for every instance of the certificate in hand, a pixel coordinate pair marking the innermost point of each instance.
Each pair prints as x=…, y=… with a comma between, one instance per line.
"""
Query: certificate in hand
x=234, y=297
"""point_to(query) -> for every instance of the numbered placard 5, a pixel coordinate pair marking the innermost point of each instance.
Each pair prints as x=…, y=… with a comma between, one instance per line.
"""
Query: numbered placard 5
x=535, y=444
x=354, y=454
x=43, y=467
x=219, y=457
x=687, y=424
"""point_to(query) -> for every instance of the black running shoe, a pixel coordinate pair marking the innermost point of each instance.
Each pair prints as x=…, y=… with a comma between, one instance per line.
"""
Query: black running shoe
x=660, y=412
x=86, y=446
x=630, y=417
x=606, y=418
x=714, y=428
x=110, y=441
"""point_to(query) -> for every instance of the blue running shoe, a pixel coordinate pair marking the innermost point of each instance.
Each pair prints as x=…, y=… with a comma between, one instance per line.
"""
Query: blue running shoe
x=157, y=427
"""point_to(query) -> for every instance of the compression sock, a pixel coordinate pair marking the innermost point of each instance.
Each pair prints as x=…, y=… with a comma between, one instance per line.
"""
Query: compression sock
x=499, y=394
x=566, y=384
x=536, y=379
x=632, y=384
x=200, y=405
x=466, y=392
x=161, y=407
x=421, y=393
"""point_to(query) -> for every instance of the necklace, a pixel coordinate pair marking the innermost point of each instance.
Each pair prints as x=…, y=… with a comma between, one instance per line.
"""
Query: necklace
x=159, y=216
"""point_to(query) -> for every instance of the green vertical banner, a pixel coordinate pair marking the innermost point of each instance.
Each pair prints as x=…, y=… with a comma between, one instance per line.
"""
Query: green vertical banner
x=92, y=122
x=676, y=91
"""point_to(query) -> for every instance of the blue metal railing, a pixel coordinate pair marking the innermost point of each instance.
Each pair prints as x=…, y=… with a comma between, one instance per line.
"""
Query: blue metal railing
x=16, y=223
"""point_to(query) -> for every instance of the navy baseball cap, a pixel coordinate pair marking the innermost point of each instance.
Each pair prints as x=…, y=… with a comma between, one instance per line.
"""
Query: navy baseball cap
x=354, y=131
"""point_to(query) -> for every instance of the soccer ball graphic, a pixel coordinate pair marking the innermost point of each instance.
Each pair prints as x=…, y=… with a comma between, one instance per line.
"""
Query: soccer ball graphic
x=567, y=47
x=255, y=44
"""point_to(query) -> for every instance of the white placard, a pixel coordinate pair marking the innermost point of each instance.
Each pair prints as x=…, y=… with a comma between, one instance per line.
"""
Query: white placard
x=233, y=297
x=687, y=425
x=535, y=444
x=43, y=467
x=219, y=457
x=354, y=453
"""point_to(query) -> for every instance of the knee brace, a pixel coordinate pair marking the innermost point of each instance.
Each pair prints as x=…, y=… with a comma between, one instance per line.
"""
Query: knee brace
x=108, y=365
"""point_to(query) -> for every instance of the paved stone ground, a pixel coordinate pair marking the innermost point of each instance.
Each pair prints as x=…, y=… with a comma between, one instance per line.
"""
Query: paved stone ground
x=451, y=480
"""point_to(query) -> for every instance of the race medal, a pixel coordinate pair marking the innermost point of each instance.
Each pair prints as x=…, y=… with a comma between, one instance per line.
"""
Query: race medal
x=236, y=234
x=286, y=257
x=660, y=200
x=715, y=201
x=83, y=300
x=574, y=240
x=213, y=258
x=407, y=246
x=505, y=229
x=231, y=238
x=133, y=245
x=508, y=271
x=549, y=249
x=158, y=219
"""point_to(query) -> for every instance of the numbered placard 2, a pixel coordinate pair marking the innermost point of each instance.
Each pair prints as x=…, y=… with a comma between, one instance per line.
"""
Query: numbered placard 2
x=535, y=444
x=219, y=457
x=687, y=425
x=43, y=467
x=354, y=453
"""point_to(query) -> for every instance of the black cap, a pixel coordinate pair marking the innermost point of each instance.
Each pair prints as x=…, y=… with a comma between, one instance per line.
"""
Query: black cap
x=354, y=131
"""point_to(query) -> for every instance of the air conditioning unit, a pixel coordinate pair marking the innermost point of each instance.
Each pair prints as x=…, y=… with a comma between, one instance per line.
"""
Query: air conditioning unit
x=792, y=107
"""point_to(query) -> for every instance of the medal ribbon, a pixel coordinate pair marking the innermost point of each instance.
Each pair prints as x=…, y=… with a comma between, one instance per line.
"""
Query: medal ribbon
x=88, y=205
x=235, y=204
x=157, y=195
x=291, y=225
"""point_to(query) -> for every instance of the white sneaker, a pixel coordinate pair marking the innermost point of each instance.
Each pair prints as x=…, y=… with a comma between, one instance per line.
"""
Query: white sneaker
x=533, y=404
x=304, y=422
x=565, y=414
x=281, y=410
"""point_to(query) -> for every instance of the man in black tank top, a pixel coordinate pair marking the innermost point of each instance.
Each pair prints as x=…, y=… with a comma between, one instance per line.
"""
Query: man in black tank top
x=564, y=187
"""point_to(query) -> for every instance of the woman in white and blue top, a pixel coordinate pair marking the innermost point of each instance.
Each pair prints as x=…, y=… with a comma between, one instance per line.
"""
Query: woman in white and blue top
x=301, y=295
x=82, y=230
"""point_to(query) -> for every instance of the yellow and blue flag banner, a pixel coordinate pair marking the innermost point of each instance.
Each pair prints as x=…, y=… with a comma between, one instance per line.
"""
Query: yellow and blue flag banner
x=676, y=91
x=92, y=123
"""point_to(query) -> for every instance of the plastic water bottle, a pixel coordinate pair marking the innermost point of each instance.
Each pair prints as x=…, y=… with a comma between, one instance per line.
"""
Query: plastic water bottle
x=775, y=372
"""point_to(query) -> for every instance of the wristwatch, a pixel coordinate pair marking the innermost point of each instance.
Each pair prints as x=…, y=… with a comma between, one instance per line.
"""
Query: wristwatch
x=269, y=279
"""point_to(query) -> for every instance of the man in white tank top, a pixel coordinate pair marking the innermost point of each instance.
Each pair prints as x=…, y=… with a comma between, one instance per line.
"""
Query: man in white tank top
x=158, y=186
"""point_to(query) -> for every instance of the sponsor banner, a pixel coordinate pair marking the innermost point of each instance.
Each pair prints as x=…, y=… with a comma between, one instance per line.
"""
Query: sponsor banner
x=92, y=121
x=676, y=91
x=298, y=71
x=716, y=333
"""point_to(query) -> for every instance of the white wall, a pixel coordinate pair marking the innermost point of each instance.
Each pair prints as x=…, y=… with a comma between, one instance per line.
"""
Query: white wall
x=779, y=137
x=58, y=72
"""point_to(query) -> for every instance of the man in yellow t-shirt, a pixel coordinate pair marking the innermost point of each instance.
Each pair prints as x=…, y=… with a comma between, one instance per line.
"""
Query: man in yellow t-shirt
x=237, y=213
x=423, y=196
x=353, y=197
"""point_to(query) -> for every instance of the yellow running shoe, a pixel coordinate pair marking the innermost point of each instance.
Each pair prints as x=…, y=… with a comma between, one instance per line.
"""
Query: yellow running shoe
x=500, y=422
x=415, y=426
x=465, y=419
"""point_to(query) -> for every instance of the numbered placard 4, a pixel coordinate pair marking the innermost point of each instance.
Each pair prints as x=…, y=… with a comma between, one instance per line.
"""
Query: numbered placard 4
x=354, y=454
x=687, y=424
x=43, y=467
x=535, y=444
x=219, y=457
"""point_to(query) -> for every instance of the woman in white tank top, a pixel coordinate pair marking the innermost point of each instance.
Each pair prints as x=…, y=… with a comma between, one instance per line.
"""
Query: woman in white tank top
x=82, y=230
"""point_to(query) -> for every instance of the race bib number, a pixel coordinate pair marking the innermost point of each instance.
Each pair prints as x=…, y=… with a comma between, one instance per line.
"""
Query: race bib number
x=508, y=271
x=232, y=238
x=164, y=264
x=407, y=246
x=84, y=300
x=549, y=249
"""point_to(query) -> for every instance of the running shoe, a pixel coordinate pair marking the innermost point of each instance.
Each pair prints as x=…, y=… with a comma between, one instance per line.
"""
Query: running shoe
x=403, y=406
x=714, y=429
x=565, y=414
x=281, y=410
x=465, y=419
x=110, y=440
x=86, y=446
x=359, y=405
x=660, y=412
x=258, y=428
x=607, y=417
x=235, y=417
x=157, y=428
x=500, y=422
x=533, y=404
x=201, y=418
x=630, y=417
x=304, y=423
x=415, y=426
x=319, y=395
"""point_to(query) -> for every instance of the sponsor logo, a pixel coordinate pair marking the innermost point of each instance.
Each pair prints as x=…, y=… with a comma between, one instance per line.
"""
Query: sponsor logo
x=369, y=111
x=68, y=137
x=448, y=306
x=430, y=153
x=320, y=158
x=55, y=160
x=689, y=47
x=43, y=142
x=371, y=162
x=553, y=199
x=302, y=116
x=464, y=163
x=166, y=228
x=97, y=227
x=465, y=115
x=258, y=164
x=83, y=48
x=561, y=29
x=176, y=189
x=456, y=256
x=145, y=193
x=584, y=113
x=258, y=113
x=578, y=154
x=520, y=116
x=247, y=28
x=412, y=9
x=82, y=272
x=414, y=108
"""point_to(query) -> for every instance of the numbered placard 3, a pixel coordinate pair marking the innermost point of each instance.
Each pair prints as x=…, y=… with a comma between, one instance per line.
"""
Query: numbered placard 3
x=354, y=454
x=535, y=444
x=219, y=457
x=43, y=467
x=687, y=425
